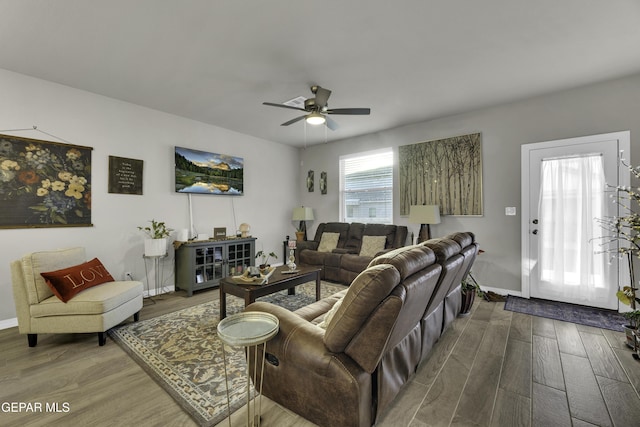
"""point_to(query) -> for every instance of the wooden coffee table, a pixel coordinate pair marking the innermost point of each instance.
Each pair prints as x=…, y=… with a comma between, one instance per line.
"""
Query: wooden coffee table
x=278, y=281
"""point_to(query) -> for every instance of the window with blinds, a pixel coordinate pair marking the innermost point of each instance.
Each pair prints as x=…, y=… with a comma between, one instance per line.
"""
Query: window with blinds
x=366, y=187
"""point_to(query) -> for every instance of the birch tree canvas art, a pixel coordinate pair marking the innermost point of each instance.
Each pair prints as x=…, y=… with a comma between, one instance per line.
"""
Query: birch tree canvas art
x=445, y=172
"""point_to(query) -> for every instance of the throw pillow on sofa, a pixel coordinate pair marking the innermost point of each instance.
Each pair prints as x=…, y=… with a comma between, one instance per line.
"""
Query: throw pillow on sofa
x=371, y=245
x=332, y=311
x=328, y=242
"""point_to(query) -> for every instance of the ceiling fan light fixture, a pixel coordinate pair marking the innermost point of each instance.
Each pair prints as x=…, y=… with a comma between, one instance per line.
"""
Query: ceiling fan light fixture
x=315, y=118
x=316, y=109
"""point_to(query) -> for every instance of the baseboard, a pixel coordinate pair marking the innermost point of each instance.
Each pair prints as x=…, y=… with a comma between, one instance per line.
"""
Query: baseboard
x=11, y=323
x=8, y=323
x=501, y=291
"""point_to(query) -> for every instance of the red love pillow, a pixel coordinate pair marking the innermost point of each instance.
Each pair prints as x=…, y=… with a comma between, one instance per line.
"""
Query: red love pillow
x=67, y=282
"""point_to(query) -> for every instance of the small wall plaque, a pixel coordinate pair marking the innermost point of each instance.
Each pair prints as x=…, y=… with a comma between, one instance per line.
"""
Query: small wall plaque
x=220, y=233
x=310, y=181
x=125, y=175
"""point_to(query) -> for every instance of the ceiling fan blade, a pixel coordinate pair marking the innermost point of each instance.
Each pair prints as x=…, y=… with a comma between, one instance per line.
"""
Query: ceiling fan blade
x=350, y=111
x=271, y=104
x=292, y=121
x=331, y=124
x=322, y=96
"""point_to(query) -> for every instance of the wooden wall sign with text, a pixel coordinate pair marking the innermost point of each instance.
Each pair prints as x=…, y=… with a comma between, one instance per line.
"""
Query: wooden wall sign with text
x=125, y=175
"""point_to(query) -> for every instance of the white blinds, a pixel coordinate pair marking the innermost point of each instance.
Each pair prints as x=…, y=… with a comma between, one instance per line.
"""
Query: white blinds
x=366, y=187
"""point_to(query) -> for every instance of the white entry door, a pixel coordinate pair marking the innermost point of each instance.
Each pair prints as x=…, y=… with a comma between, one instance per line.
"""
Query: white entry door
x=566, y=187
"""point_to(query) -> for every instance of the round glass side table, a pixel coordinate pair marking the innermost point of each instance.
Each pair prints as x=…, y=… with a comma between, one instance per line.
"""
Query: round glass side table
x=249, y=330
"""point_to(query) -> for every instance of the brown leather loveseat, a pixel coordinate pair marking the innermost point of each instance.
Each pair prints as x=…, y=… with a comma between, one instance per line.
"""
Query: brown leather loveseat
x=344, y=250
x=342, y=360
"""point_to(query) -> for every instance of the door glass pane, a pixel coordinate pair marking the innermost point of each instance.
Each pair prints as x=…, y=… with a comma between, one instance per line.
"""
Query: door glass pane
x=218, y=253
x=572, y=196
x=200, y=275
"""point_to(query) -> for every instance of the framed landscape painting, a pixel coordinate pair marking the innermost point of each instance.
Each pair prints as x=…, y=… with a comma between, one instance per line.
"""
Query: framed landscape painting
x=202, y=172
x=44, y=184
x=445, y=172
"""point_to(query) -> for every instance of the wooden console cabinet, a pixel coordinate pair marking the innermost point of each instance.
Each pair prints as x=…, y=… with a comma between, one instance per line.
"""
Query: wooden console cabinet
x=201, y=265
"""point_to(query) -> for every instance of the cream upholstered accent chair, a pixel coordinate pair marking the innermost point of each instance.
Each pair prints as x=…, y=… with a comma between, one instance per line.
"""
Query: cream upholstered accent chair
x=95, y=309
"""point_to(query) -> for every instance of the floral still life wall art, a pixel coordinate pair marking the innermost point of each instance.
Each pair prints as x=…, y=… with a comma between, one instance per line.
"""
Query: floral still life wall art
x=445, y=172
x=44, y=184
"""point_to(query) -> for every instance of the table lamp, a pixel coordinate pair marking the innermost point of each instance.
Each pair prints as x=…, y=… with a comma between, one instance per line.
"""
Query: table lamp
x=302, y=214
x=244, y=229
x=425, y=215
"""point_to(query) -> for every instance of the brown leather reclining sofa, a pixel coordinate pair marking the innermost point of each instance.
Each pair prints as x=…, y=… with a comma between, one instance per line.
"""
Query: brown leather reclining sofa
x=342, y=360
x=343, y=260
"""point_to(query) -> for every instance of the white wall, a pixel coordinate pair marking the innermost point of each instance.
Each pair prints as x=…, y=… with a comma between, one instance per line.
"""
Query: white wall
x=599, y=108
x=120, y=129
x=116, y=128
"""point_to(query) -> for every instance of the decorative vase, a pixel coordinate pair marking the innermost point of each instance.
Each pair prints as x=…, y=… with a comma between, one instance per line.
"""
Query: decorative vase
x=155, y=247
x=292, y=260
x=468, y=297
x=300, y=236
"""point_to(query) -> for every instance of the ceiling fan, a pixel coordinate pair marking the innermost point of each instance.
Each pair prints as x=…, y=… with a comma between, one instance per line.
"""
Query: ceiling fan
x=317, y=109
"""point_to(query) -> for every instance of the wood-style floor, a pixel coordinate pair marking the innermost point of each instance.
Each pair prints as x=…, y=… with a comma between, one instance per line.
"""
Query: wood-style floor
x=493, y=368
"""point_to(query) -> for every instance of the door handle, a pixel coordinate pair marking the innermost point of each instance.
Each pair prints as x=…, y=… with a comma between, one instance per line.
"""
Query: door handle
x=535, y=231
x=535, y=221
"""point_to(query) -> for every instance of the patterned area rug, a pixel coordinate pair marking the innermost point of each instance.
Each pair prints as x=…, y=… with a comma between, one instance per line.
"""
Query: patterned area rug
x=583, y=315
x=182, y=352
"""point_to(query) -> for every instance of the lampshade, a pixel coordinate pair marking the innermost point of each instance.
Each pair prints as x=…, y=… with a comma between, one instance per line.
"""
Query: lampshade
x=315, y=118
x=424, y=214
x=302, y=214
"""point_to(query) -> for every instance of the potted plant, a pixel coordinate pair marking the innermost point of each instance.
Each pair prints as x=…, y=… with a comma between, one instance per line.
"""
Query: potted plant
x=624, y=241
x=469, y=290
x=265, y=258
x=634, y=319
x=627, y=296
x=156, y=244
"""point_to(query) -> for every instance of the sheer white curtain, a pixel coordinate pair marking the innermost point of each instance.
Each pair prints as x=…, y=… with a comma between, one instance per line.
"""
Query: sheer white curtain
x=572, y=195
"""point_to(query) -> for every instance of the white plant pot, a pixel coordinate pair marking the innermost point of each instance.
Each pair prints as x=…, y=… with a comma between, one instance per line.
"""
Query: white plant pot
x=155, y=247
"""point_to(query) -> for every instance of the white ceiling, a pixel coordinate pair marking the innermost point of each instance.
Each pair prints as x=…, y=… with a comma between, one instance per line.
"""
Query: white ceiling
x=216, y=61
